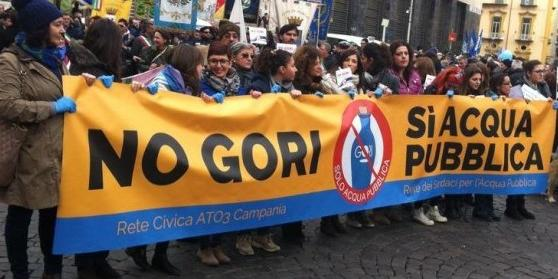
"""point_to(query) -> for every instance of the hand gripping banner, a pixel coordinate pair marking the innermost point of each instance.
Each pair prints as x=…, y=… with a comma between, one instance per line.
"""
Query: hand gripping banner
x=139, y=168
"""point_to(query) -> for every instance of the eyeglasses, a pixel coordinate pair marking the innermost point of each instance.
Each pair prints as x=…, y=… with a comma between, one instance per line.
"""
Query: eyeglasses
x=246, y=55
x=216, y=62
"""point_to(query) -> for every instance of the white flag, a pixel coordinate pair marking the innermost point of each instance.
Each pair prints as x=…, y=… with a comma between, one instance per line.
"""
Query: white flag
x=297, y=12
x=237, y=17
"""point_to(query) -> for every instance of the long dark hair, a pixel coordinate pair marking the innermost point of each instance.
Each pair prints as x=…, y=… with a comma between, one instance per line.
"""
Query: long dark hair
x=409, y=69
x=344, y=55
x=497, y=80
x=185, y=58
x=471, y=70
x=270, y=60
x=304, y=58
x=104, y=39
x=380, y=55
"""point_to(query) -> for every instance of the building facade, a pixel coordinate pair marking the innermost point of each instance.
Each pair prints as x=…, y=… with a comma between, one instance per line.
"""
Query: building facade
x=525, y=27
x=432, y=20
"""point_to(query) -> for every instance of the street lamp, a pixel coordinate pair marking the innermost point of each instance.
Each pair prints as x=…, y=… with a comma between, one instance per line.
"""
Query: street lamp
x=410, y=11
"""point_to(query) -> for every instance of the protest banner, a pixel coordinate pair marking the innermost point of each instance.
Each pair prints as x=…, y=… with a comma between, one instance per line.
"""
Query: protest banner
x=140, y=168
x=180, y=14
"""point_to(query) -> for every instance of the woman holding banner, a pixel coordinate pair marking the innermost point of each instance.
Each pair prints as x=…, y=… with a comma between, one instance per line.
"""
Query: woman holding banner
x=242, y=60
x=31, y=98
x=533, y=79
x=181, y=75
x=308, y=79
x=99, y=55
x=275, y=72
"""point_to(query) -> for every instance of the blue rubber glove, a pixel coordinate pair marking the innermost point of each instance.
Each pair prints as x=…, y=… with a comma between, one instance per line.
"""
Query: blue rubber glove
x=555, y=105
x=494, y=97
x=153, y=88
x=379, y=92
x=352, y=92
x=219, y=98
x=319, y=94
x=64, y=104
x=450, y=93
x=107, y=81
x=275, y=88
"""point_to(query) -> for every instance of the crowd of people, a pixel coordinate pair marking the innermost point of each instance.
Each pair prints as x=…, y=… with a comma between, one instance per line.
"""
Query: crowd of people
x=40, y=44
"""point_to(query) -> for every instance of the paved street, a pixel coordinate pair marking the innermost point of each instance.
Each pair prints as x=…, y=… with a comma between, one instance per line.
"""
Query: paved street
x=508, y=249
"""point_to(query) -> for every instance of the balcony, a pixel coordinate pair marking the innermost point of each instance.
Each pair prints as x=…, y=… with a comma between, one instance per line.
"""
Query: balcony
x=524, y=38
x=494, y=36
x=528, y=3
x=495, y=3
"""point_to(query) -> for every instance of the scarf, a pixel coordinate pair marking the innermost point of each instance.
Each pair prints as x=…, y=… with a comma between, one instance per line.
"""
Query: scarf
x=51, y=57
x=229, y=85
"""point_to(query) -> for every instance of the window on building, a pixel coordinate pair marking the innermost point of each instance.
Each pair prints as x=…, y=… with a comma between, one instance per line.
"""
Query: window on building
x=499, y=1
x=527, y=2
x=496, y=23
x=525, y=28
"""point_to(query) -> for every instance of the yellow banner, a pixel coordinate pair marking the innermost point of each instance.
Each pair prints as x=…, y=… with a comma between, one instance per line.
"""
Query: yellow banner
x=129, y=157
x=115, y=9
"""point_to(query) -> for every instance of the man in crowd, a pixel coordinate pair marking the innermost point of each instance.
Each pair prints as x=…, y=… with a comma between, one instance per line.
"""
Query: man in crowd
x=288, y=34
x=228, y=33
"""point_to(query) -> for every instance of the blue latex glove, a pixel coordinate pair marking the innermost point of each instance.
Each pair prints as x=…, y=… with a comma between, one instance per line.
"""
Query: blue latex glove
x=379, y=92
x=107, y=81
x=153, y=88
x=494, y=97
x=555, y=105
x=64, y=104
x=352, y=92
x=319, y=94
x=275, y=88
x=450, y=93
x=219, y=98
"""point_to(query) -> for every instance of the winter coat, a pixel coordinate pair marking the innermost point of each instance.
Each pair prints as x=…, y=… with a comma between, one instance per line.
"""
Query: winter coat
x=413, y=86
x=245, y=80
x=84, y=61
x=151, y=55
x=37, y=176
x=384, y=77
x=263, y=83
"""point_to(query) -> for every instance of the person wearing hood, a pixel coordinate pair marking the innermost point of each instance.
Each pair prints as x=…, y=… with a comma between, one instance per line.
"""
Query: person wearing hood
x=31, y=97
x=99, y=55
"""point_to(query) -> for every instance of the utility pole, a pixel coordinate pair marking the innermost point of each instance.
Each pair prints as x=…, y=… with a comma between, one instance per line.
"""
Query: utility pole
x=410, y=21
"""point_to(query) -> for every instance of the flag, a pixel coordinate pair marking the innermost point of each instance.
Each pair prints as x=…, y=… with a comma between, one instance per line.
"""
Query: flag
x=115, y=9
x=478, y=44
x=296, y=12
x=220, y=10
x=323, y=18
x=465, y=46
x=237, y=17
x=173, y=14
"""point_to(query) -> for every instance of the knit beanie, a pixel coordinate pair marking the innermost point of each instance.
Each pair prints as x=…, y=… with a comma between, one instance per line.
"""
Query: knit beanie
x=35, y=14
x=225, y=27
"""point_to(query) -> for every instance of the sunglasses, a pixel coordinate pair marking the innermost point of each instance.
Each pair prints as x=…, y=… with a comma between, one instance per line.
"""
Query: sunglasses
x=246, y=55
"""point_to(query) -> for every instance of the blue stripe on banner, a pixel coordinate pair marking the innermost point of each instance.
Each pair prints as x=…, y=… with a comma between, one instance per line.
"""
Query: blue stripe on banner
x=109, y=232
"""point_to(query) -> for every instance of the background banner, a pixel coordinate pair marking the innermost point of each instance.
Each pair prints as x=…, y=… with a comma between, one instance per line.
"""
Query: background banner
x=180, y=14
x=139, y=168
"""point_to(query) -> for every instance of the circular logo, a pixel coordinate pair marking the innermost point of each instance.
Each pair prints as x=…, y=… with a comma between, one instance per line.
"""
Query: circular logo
x=362, y=154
